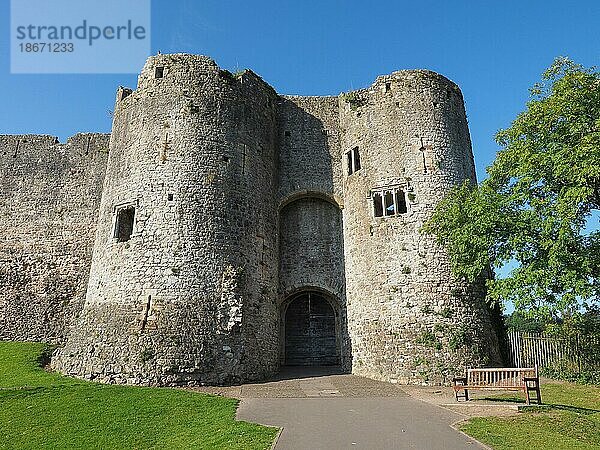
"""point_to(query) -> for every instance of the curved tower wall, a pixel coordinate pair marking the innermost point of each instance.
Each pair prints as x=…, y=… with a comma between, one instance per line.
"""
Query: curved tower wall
x=408, y=321
x=190, y=298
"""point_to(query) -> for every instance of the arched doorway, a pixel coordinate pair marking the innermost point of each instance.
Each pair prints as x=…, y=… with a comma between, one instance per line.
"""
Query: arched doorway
x=310, y=331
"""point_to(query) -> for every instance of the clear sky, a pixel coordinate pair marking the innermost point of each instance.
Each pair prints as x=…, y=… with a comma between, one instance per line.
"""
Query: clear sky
x=494, y=50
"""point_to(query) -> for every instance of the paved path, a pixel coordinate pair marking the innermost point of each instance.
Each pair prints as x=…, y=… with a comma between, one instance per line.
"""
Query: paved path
x=325, y=410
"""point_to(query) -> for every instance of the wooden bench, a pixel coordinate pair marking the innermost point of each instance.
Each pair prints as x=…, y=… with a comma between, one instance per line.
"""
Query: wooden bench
x=509, y=379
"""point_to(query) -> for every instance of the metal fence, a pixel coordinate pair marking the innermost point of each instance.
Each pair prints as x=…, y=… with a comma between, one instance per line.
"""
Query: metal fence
x=574, y=353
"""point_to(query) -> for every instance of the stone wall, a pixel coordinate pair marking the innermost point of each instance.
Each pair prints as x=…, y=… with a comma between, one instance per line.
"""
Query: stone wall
x=311, y=248
x=309, y=149
x=191, y=297
x=49, y=198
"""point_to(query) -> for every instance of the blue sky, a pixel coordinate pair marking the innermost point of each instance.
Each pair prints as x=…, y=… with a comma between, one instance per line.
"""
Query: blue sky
x=494, y=50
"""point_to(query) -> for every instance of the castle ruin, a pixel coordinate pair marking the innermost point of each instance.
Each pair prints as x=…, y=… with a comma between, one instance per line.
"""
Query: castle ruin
x=223, y=230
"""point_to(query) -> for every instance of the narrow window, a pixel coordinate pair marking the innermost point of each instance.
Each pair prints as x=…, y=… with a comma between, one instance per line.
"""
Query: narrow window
x=353, y=160
x=159, y=72
x=124, y=224
x=388, y=87
x=424, y=160
x=377, y=204
x=356, y=157
x=401, y=202
x=423, y=150
x=146, y=313
x=390, y=208
x=349, y=161
x=170, y=197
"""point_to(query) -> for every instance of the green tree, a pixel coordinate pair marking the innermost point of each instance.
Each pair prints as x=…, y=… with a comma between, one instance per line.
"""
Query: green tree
x=517, y=321
x=531, y=210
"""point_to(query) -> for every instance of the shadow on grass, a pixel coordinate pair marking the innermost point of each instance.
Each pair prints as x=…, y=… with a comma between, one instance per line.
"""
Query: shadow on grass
x=544, y=407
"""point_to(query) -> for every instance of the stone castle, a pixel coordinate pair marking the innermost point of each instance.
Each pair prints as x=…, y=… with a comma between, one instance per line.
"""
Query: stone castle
x=223, y=230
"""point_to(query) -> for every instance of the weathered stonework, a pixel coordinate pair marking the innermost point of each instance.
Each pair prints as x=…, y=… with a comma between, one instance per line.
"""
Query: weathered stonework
x=406, y=315
x=244, y=202
x=49, y=198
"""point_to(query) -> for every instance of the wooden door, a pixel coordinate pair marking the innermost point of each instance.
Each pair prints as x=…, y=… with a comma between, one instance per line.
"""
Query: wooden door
x=310, y=336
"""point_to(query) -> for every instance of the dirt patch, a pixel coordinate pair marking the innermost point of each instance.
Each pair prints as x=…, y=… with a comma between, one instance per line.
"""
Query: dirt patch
x=443, y=397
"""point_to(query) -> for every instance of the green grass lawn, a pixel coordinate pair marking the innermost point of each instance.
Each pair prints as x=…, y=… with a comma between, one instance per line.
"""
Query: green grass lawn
x=42, y=410
x=572, y=421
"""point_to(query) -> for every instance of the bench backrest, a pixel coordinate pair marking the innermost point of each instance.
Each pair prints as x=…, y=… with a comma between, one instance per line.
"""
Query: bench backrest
x=500, y=377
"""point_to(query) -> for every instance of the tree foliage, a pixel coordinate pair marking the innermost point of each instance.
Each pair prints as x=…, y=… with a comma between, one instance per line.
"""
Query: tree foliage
x=518, y=321
x=531, y=211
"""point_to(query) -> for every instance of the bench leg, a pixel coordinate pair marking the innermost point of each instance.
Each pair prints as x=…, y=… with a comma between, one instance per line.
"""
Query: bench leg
x=465, y=395
x=538, y=394
x=534, y=388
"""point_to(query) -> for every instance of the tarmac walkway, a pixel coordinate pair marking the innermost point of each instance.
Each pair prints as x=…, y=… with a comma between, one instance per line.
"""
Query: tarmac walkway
x=323, y=409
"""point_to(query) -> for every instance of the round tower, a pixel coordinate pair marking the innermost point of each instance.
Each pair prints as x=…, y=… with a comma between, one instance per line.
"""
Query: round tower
x=405, y=143
x=183, y=281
